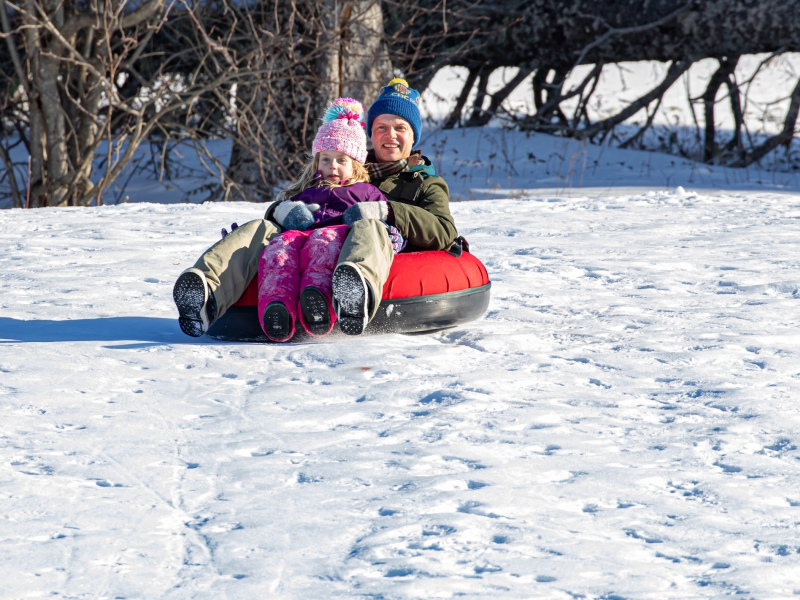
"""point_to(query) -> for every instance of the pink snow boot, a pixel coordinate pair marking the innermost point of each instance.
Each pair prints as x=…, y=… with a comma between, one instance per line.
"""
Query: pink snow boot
x=317, y=260
x=278, y=285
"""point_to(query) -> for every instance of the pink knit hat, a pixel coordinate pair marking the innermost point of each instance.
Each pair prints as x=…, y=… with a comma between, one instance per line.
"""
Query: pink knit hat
x=343, y=130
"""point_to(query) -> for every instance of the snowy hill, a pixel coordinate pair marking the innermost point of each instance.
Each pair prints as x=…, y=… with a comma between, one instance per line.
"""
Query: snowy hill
x=491, y=163
x=623, y=422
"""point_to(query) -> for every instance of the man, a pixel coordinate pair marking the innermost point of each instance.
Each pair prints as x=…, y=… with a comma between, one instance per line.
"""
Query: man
x=418, y=206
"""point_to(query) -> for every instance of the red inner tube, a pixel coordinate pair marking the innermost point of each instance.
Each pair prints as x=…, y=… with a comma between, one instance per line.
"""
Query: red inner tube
x=416, y=274
x=425, y=291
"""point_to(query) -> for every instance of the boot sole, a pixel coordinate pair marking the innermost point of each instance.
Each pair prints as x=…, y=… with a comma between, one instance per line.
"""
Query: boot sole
x=315, y=311
x=277, y=322
x=350, y=292
x=191, y=295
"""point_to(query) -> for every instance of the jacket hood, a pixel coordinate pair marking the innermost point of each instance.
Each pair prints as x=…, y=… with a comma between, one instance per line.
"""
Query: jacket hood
x=426, y=167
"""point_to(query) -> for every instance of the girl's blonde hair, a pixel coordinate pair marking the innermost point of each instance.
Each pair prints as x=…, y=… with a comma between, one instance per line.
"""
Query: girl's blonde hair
x=306, y=179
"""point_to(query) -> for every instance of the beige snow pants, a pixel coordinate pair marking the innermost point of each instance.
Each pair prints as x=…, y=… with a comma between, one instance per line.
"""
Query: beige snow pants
x=232, y=263
x=369, y=248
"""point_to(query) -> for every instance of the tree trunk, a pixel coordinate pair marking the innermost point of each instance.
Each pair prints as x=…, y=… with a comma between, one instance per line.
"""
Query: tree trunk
x=455, y=115
x=735, y=144
x=480, y=97
x=364, y=65
x=57, y=162
x=784, y=137
x=720, y=76
x=336, y=49
x=64, y=77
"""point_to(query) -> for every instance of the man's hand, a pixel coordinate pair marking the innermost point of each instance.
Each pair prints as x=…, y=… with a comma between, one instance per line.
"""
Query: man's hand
x=366, y=210
x=295, y=215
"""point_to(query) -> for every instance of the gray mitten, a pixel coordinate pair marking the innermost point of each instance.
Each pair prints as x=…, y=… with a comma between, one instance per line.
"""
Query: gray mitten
x=295, y=215
x=366, y=210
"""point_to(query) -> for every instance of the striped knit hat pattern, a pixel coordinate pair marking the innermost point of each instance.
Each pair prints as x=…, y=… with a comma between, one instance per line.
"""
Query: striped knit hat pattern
x=342, y=130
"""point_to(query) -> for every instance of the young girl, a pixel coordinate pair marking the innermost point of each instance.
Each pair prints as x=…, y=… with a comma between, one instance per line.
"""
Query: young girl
x=296, y=268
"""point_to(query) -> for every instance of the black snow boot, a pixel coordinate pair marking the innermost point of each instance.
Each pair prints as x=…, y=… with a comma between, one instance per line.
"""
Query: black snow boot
x=351, y=299
x=197, y=307
x=277, y=322
x=315, y=311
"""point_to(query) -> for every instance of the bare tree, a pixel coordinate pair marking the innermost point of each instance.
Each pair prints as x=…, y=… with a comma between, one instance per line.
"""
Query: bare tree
x=67, y=60
x=327, y=49
x=88, y=83
x=84, y=84
x=550, y=38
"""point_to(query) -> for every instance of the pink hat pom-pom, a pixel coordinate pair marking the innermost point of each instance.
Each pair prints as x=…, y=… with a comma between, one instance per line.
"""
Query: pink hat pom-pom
x=344, y=108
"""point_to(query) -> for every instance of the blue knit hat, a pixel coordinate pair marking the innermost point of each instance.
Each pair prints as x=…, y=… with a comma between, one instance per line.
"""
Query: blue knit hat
x=400, y=100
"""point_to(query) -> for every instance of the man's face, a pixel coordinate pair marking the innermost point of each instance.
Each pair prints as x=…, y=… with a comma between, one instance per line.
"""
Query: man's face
x=392, y=138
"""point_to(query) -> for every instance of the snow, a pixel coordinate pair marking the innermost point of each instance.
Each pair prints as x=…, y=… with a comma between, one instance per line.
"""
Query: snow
x=622, y=423
x=491, y=163
x=486, y=163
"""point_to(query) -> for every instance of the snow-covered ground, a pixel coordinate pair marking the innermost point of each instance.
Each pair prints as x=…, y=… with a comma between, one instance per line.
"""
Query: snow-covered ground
x=622, y=423
x=492, y=162
x=489, y=162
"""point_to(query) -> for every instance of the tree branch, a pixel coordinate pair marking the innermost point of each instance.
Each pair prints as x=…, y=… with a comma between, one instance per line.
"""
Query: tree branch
x=784, y=137
x=455, y=115
x=612, y=31
x=725, y=70
x=12, y=48
x=498, y=98
x=675, y=70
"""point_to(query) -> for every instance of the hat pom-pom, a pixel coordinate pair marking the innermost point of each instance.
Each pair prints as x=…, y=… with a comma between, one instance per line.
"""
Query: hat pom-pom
x=344, y=108
x=399, y=80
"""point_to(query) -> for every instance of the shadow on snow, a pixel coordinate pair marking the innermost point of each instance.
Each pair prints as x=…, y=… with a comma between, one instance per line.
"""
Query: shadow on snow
x=106, y=329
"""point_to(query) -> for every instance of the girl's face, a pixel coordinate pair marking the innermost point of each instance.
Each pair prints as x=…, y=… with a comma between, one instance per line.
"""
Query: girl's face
x=335, y=166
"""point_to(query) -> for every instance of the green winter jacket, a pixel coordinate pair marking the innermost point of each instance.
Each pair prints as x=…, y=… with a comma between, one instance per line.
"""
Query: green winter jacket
x=420, y=200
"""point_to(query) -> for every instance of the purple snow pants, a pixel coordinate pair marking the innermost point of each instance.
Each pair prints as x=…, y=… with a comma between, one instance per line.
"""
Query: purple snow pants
x=295, y=260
